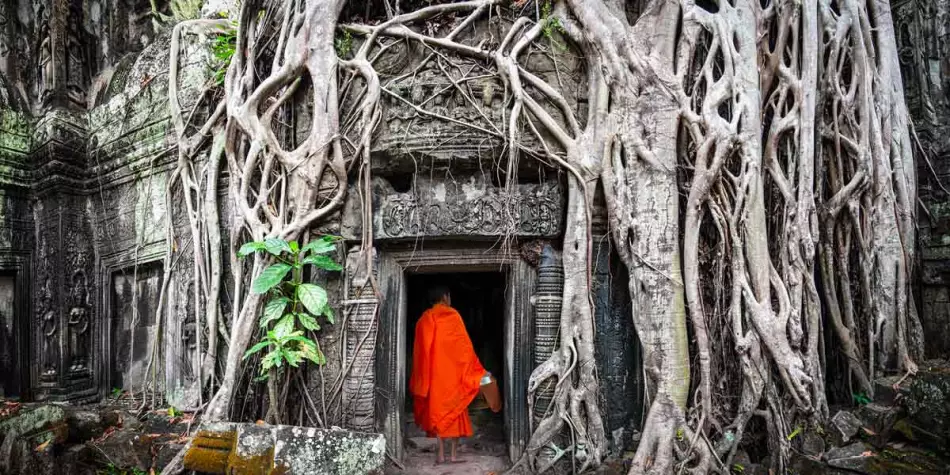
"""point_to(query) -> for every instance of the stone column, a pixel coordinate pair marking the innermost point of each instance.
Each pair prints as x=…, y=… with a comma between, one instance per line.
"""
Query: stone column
x=547, y=321
x=360, y=309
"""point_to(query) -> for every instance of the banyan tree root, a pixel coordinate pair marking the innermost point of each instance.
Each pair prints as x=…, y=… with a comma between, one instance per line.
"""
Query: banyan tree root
x=738, y=144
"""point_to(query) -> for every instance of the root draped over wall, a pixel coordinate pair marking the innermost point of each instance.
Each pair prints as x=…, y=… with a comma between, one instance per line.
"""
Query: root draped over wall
x=754, y=157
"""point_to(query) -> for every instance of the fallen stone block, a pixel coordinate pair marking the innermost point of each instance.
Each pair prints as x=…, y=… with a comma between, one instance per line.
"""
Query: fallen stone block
x=28, y=434
x=844, y=426
x=129, y=448
x=856, y=457
x=928, y=407
x=812, y=444
x=251, y=449
x=878, y=420
x=84, y=425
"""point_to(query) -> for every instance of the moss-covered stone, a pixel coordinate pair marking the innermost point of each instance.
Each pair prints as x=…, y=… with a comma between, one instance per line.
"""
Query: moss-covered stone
x=271, y=450
x=928, y=408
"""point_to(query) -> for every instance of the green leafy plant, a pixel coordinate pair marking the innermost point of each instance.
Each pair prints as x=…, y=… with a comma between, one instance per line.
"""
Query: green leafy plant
x=343, y=43
x=860, y=399
x=551, y=25
x=116, y=393
x=174, y=412
x=291, y=301
x=738, y=468
x=223, y=47
x=798, y=430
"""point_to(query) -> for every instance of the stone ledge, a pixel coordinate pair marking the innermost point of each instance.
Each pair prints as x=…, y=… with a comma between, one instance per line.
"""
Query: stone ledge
x=244, y=448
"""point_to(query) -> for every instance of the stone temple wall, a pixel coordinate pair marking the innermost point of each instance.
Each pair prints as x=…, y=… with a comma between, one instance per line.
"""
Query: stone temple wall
x=86, y=154
x=923, y=37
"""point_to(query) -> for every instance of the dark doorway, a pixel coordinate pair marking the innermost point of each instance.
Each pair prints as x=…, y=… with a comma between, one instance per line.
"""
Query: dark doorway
x=135, y=296
x=480, y=298
x=12, y=357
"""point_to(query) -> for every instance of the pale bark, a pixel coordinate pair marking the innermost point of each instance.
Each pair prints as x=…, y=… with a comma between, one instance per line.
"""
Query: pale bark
x=782, y=123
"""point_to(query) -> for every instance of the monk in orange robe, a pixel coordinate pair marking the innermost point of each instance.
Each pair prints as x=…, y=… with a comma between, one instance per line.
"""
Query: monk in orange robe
x=446, y=374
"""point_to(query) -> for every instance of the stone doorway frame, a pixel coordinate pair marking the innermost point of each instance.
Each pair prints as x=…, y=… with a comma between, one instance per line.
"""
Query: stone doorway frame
x=18, y=263
x=391, y=365
x=103, y=324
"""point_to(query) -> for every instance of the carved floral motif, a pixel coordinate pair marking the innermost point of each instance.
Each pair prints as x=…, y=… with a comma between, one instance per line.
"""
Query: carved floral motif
x=534, y=210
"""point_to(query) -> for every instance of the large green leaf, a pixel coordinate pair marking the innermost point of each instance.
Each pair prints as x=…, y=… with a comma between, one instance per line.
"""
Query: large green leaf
x=313, y=297
x=323, y=262
x=311, y=351
x=328, y=312
x=284, y=327
x=274, y=309
x=250, y=248
x=276, y=246
x=293, y=357
x=270, y=360
x=270, y=277
x=320, y=246
x=258, y=347
x=308, y=322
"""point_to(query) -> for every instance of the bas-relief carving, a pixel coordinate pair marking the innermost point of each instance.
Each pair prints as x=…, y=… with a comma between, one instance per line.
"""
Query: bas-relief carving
x=79, y=324
x=468, y=207
x=46, y=72
x=76, y=61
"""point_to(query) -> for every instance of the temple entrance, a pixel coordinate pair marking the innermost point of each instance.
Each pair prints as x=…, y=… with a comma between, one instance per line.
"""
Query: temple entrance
x=480, y=298
x=492, y=288
x=12, y=355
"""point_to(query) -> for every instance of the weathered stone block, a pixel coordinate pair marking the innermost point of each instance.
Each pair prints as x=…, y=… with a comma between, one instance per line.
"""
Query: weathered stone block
x=844, y=426
x=257, y=449
x=856, y=457
x=879, y=419
x=812, y=444
x=31, y=429
x=84, y=425
x=129, y=448
x=928, y=406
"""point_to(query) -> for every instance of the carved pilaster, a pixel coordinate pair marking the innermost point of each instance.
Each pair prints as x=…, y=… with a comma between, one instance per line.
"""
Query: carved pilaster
x=360, y=306
x=62, y=56
x=547, y=319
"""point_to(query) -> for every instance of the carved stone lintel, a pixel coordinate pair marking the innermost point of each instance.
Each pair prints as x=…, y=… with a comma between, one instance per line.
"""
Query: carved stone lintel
x=470, y=208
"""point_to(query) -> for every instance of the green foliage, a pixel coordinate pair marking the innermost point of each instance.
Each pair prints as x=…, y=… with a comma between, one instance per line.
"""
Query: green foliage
x=679, y=434
x=738, y=468
x=112, y=469
x=292, y=301
x=343, y=43
x=185, y=9
x=798, y=430
x=174, y=412
x=860, y=399
x=223, y=47
x=116, y=393
x=551, y=25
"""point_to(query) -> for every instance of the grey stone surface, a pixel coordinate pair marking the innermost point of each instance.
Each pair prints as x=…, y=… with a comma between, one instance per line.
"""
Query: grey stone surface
x=812, y=444
x=302, y=450
x=30, y=428
x=845, y=426
x=856, y=457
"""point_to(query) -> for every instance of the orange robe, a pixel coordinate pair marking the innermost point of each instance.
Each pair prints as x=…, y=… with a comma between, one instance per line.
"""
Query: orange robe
x=445, y=374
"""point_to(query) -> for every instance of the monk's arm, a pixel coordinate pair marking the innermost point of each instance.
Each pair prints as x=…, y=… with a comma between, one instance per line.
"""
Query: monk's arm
x=463, y=350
